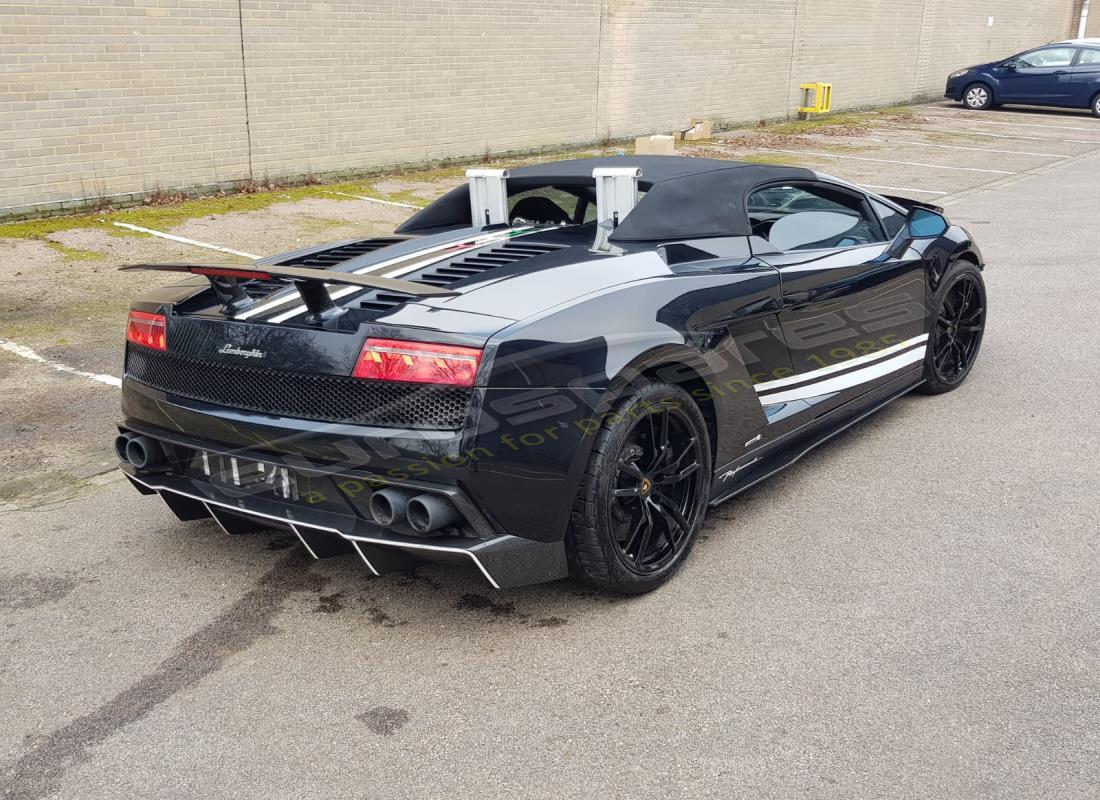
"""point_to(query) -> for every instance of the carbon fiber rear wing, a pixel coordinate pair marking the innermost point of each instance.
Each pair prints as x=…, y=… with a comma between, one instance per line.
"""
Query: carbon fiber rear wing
x=225, y=280
x=909, y=205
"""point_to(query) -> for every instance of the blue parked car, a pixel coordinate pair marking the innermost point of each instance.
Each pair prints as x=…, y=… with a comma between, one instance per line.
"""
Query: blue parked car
x=1065, y=74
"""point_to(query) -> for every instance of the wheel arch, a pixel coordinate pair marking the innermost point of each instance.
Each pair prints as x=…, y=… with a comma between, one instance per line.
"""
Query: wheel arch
x=716, y=380
x=688, y=378
x=989, y=87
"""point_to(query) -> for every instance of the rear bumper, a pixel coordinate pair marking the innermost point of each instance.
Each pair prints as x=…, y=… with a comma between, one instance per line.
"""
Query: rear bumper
x=504, y=560
x=518, y=463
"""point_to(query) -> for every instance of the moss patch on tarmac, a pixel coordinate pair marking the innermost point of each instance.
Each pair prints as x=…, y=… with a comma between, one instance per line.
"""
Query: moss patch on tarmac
x=837, y=122
x=75, y=253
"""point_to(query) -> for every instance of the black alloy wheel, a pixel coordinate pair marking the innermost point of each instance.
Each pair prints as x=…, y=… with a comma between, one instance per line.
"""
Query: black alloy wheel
x=644, y=494
x=957, y=331
x=658, y=488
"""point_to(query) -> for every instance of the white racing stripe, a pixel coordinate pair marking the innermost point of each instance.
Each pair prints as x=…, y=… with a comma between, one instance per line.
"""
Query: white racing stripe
x=876, y=370
x=184, y=240
x=409, y=263
x=346, y=290
x=292, y=295
x=30, y=355
x=852, y=362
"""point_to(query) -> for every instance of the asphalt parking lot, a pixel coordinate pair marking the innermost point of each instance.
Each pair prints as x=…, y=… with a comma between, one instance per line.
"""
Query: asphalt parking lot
x=910, y=611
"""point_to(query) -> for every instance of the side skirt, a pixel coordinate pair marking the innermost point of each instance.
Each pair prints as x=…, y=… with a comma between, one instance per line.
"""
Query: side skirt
x=752, y=468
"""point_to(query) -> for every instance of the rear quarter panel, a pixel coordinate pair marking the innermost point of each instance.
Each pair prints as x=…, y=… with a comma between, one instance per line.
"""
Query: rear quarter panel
x=555, y=377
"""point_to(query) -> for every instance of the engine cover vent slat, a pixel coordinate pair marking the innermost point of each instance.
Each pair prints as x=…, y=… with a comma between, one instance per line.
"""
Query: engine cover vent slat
x=383, y=301
x=459, y=270
x=527, y=249
x=341, y=253
x=481, y=262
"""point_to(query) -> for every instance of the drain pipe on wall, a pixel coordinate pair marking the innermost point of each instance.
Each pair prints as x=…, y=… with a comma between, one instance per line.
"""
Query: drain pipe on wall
x=1084, y=19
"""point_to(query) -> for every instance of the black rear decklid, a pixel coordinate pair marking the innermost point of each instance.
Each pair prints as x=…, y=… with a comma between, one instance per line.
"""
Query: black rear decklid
x=225, y=280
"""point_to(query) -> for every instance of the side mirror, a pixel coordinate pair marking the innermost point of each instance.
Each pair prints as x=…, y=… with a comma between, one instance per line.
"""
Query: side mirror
x=924, y=223
x=1009, y=66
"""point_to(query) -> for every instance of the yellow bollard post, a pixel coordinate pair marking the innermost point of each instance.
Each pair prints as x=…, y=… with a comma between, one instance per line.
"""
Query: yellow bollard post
x=821, y=95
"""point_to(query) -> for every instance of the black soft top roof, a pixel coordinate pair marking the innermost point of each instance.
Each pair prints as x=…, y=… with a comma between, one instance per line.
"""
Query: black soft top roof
x=686, y=198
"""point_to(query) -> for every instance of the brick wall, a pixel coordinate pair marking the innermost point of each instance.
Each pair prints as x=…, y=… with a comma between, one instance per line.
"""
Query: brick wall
x=109, y=97
x=960, y=30
x=348, y=87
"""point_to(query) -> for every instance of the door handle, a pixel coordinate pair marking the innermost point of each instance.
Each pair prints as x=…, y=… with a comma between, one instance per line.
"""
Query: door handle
x=1060, y=72
x=797, y=298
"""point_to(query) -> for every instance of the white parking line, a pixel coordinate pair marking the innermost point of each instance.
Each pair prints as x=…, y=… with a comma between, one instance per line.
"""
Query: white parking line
x=901, y=189
x=958, y=132
x=955, y=147
x=184, y=240
x=30, y=355
x=1015, y=124
x=376, y=200
x=1008, y=112
x=1021, y=137
x=887, y=161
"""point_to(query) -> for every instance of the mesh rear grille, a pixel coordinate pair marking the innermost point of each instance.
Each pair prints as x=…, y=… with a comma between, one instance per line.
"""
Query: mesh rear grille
x=328, y=398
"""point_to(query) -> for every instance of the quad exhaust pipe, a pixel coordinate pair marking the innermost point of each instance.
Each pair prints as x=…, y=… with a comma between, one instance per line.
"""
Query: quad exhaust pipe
x=121, y=441
x=429, y=512
x=387, y=506
x=424, y=513
x=143, y=452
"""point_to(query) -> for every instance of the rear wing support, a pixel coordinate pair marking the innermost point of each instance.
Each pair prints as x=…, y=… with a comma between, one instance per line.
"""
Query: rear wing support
x=310, y=283
x=488, y=196
x=616, y=196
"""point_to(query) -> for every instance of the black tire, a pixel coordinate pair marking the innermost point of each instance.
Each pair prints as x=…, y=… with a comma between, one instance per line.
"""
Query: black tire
x=653, y=435
x=977, y=97
x=1095, y=105
x=959, y=309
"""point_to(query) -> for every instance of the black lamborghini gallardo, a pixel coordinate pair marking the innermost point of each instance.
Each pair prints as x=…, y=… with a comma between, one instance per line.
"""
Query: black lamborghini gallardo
x=547, y=372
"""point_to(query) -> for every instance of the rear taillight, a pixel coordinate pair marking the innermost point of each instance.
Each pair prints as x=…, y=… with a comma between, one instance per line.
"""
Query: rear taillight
x=416, y=362
x=148, y=330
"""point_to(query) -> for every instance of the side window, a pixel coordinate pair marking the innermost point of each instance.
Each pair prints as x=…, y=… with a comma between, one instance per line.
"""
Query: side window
x=1089, y=57
x=1047, y=57
x=893, y=221
x=811, y=217
x=544, y=204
